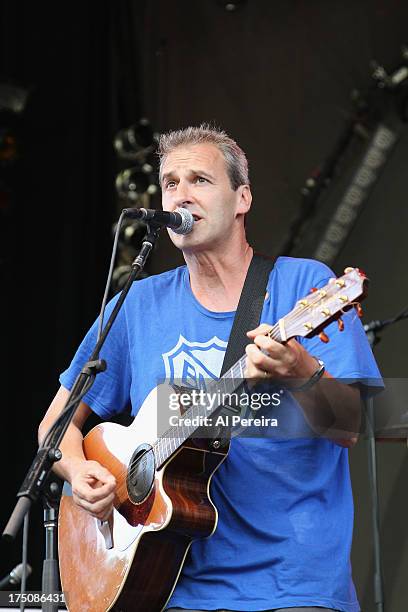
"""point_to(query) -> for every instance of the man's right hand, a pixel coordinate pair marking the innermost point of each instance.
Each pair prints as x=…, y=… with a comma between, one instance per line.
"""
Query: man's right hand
x=92, y=485
x=93, y=489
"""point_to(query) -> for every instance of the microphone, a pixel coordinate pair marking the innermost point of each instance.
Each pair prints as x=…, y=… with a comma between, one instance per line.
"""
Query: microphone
x=181, y=221
x=15, y=576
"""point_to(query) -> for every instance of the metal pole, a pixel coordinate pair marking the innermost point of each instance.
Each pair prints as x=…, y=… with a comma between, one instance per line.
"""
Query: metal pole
x=375, y=512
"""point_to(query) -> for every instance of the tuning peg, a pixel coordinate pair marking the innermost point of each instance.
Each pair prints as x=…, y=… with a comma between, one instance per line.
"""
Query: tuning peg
x=340, y=324
x=324, y=337
x=359, y=310
x=313, y=290
x=348, y=269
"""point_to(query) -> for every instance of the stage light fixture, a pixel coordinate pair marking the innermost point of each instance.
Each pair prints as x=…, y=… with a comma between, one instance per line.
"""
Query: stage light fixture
x=133, y=183
x=136, y=141
x=130, y=240
x=137, y=184
x=231, y=5
x=12, y=98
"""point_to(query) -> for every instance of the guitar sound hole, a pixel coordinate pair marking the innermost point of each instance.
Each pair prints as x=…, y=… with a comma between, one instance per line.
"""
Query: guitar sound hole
x=140, y=476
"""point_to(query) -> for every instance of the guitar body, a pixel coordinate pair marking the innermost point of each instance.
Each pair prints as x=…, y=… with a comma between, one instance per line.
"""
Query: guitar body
x=133, y=562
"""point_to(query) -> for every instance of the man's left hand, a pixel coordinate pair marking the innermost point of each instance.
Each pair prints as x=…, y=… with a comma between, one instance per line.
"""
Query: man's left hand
x=267, y=358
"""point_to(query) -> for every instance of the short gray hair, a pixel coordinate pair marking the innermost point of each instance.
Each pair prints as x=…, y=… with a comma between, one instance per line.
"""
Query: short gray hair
x=235, y=158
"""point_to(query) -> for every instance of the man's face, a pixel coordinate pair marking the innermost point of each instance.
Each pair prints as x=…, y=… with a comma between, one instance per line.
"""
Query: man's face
x=195, y=177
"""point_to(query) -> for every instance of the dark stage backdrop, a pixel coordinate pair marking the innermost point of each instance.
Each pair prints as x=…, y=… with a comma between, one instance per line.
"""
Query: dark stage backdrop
x=277, y=76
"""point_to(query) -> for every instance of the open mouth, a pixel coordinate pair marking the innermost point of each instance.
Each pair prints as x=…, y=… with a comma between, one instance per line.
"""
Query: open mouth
x=196, y=218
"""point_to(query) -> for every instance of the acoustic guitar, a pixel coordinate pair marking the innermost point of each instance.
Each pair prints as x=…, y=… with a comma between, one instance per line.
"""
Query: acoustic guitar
x=163, y=474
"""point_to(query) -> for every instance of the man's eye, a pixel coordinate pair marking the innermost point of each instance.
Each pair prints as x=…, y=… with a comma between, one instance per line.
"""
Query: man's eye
x=201, y=179
x=170, y=184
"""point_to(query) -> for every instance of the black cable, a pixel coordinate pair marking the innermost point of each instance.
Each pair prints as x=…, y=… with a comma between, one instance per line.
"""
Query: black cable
x=109, y=279
x=402, y=315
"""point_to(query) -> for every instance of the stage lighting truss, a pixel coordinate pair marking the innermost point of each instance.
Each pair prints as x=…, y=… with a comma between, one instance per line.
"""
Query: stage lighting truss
x=373, y=128
x=136, y=186
x=137, y=143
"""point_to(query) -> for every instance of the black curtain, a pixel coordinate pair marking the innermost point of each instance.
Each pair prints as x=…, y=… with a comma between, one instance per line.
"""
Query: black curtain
x=79, y=63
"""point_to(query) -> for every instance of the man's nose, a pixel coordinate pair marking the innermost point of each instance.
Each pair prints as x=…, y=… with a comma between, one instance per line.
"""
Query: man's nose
x=183, y=194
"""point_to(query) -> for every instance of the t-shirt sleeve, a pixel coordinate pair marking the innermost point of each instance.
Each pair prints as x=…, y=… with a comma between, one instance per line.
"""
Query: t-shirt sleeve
x=110, y=393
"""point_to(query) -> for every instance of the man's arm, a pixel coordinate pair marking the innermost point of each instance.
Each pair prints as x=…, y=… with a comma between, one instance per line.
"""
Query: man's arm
x=332, y=409
x=92, y=484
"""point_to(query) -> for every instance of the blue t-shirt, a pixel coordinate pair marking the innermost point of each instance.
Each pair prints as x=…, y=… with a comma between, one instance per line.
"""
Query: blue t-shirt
x=285, y=505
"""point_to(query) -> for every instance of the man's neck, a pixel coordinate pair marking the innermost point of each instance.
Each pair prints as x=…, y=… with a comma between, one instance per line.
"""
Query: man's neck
x=217, y=280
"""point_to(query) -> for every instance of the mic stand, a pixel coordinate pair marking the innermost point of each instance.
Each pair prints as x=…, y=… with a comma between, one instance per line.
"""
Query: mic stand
x=48, y=454
x=372, y=330
x=375, y=510
x=50, y=574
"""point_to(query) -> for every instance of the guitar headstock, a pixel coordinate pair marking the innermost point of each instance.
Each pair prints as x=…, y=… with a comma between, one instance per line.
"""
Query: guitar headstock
x=322, y=306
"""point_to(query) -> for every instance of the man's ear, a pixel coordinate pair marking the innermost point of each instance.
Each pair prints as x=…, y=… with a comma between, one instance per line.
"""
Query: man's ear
x=244, y=199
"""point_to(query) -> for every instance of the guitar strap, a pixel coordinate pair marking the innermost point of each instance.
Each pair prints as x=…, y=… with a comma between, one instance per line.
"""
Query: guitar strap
x=249, y=308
